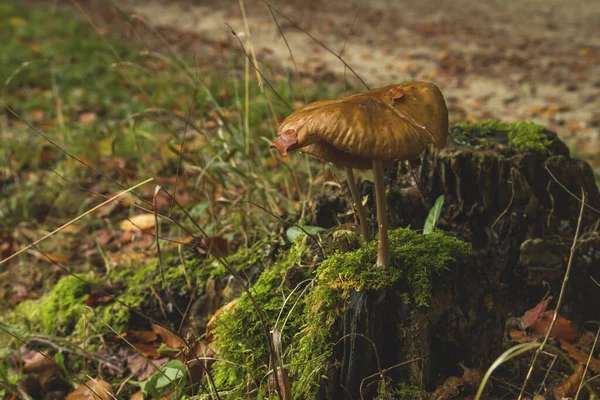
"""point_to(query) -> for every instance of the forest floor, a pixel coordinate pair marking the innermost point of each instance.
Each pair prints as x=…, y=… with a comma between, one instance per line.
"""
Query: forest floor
x=96, y=107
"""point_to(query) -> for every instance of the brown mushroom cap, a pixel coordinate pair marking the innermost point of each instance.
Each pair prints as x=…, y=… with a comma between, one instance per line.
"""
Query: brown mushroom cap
x=389, y=123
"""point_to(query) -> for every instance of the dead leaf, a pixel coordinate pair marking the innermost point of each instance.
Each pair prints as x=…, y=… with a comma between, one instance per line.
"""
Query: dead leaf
x=38, y=362
x=36, y=114
x=472, y=377
x=532, y=315
x=7, y=245
x=563, y=329
x=87, y=117
x=140, y=222
x=71, y=229
x=54, y=257
x=169, y=338
x=139, y=395
x=570, y=386
x=215, y=245
x=145, y=349
x=520, y=336
x=451, y=388
x=141, y=336
x=92, y=390
x=579, y=356
x=141, y=368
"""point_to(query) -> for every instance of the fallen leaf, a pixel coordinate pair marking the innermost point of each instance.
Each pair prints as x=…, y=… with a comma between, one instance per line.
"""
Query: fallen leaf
x=532, y=315
x=451, y=388
x=519, y=336
x=563, y=329
x=169, y=338
x=92, y=390
x=141, y=368
x=87, y=117
x=141, y=336
x=215, y=245
x=54, y=257
x=140, y=222
x=148, y=350
x=139, y=395
x=579, y=356
x=472, y=377
x=71, y=229
x=570, y=386
x=38, y=362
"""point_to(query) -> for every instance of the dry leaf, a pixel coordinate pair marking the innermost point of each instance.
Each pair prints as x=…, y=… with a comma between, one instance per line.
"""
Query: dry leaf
x=449, y=389
x=520, y=336
x=570, y=386
x=139, y=395
x=532, y=315
x=141, y=368
x=579, y=356
x=215, y=245
x=169, y=338
x=54, y=257
x=138, y=222
x=141, y=336
x=563, y=329
x=38, y=362
x=92, y=390
x=87, y=117
x=148, y=350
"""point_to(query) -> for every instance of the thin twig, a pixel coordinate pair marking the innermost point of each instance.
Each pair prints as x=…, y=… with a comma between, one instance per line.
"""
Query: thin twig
x=567, y=190
x=560, y=296
x=587, y=364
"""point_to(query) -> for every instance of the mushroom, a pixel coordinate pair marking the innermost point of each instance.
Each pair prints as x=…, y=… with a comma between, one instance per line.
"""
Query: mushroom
x=392, y=123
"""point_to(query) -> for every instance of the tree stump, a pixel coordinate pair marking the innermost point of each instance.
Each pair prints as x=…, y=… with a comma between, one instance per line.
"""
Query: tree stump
x=519, y=208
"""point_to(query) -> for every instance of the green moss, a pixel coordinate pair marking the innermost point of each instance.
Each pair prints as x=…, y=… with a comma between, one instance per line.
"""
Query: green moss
x=144, y=280
x=521, y=135
x=308, y=334
x=240, y=334
x=528, y=136
x=58, y=311
x=408, y=392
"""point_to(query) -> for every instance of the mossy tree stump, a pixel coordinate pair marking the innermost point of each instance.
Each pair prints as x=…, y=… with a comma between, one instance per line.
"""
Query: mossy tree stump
x=506, y=189
x=505, y=229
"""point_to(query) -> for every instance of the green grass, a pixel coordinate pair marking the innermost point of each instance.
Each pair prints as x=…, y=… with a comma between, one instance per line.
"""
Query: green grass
x=96, y=98
x=57, y=73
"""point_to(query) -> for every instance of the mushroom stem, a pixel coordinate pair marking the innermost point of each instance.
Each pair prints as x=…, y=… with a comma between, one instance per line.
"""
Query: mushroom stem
x=383, y=245
x=358, y=205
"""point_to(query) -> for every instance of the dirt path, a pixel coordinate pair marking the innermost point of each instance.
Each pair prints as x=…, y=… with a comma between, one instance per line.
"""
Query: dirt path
x=534, y=59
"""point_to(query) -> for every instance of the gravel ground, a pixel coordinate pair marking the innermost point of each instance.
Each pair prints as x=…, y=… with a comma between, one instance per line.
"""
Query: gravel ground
x=507, y=59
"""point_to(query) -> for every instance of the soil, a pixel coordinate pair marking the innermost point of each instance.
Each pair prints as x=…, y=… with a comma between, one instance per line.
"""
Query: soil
x=510, y=60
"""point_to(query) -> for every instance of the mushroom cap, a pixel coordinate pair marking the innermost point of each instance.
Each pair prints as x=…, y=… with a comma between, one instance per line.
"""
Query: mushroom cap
x=390, y=123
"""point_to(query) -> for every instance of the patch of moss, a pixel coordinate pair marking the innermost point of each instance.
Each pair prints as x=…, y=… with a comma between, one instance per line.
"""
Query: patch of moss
x=308, y=334
x=57, y=312
x=144, y=280
x=240, y=334
x=521, y=135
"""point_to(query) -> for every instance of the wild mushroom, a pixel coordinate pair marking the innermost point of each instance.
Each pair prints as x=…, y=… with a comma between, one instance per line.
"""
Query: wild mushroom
x=392, y=123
